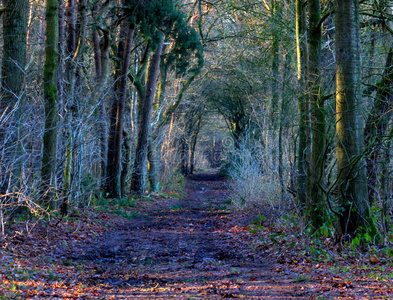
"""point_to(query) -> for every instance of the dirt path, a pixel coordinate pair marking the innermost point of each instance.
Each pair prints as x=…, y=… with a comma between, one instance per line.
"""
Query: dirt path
x=191, y=248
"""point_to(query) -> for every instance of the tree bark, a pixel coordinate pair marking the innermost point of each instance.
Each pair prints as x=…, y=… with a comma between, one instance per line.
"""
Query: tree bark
x=12, y=84
x=138, y=182
x=48, y=171
x=113, y=179
x=126, y=162
x=194, y=139
x=286, y=98
x=101, y=47
x=315, y=205
x=14, y=53
x=303, y=105
x=351, y=178
x=183, y=149
x=75, y=39
x=154, y=165
x=274, y=123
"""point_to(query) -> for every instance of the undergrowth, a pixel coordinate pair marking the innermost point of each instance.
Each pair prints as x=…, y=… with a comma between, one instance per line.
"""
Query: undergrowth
x=253, y=182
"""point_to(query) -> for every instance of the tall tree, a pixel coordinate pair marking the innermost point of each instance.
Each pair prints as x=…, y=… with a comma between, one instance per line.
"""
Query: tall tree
x=303, y=103
x=14, y=53
x=113, y=180
x=139, y=176
x=276, y=17
x=75, y=39
x=315, y=201
x=101, y=45
x=351, y=178
x=48, y=171
x=12, y=80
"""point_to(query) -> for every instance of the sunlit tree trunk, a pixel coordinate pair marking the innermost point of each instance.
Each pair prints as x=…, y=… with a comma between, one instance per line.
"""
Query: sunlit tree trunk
x=351, y=180
x=48, y=171
x=303, y=104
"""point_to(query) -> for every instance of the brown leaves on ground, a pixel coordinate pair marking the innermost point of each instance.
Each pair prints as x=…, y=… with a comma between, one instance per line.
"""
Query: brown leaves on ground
x=192, y=248
x=34, y=263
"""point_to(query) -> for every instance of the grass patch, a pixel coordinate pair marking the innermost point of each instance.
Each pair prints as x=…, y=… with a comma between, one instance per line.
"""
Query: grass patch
x=116, y=206
x=175, y=207
x=302, y=278
x=126, y=214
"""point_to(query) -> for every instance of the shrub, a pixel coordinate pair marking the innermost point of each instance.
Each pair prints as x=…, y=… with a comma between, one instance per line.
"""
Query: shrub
x=253, y=183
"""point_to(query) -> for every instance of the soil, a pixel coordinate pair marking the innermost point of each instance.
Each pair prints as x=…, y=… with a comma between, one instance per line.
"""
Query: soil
x=192, y=248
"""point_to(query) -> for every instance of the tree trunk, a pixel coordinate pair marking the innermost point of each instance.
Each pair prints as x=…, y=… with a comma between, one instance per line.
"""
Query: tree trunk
x=101, y=57
x=286, y=98
x=303, y=105
x=276, y=17
x=126, y=162
x=14, y=53
x=138, y=182
x=315, y=205
x=351, y=177
x=194, y=139
x=183, y=148
x=12, y=84
x=154, y=165
x=75, y=37
x=377, y=124
x=113, y=180
x=71, y=36
x=386, y=183
x=48, y=171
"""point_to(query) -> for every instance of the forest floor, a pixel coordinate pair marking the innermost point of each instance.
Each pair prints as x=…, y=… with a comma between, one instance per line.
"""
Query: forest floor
x=190, y=247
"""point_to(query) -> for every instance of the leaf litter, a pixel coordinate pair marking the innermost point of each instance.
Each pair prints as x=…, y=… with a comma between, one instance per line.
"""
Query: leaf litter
x=195, y=247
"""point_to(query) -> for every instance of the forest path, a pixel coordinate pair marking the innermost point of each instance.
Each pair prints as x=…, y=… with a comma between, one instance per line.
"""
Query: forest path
x=191, y=248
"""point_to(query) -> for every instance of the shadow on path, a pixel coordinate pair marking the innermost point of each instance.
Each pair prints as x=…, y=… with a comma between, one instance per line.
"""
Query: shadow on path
x=189, y=248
